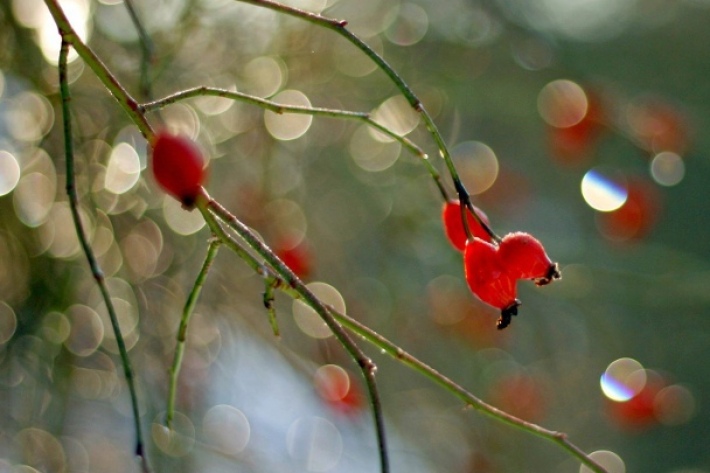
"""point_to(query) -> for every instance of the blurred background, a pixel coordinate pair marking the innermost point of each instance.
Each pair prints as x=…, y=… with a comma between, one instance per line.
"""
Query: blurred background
x=579, y=121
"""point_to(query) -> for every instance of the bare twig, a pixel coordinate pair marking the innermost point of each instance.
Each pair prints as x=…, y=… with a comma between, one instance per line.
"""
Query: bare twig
x=295, y=289
x=181, y=337
x=284, y=108
x=147, y=49
x=119, y=93
x=86, y=247
x=209, y=207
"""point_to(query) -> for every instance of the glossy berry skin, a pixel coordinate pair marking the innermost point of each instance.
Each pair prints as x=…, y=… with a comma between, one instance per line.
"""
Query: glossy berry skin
x=453, y=225
x=178, y=167
x=524, y=257
x=489, y=280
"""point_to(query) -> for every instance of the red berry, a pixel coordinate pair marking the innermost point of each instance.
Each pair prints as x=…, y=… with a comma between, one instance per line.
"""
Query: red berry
x=524, y=257
x=178, y=167
x=488, y=279
x=453, y=225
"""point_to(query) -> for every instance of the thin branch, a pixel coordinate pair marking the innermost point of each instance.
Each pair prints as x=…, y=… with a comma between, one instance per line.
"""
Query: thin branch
x=147, y=49
x=86, y=247
x=294, y=288
x=211, y=209
x=412, y=362
x=299, y=109
x=284, y=108
x=122, y=96
x=268, y=300
x=181, y=337
x=340, y=27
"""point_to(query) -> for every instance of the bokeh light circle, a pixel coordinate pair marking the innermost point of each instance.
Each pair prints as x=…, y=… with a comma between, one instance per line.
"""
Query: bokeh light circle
x=314, y=443
x=667, y=168
x=181, y=221
x=41, y=449
x=603, y=190
x=308, y=320
x=78, y=14
x=8, y=322
x=350, y=61
x=623, y=379
x=86, y=332
x=288, y=126
x=123, y=169
x=674, y=405
x=33, y=198
x=562, y=103
x=478, y=165
x=409, y=26
x=264, y=76
x=332, y=382
x=397, y=115
x=176, y=440
x=610, y=461
x=9, y=172
x=371, y=154
x=29, y=116
x=226, y=428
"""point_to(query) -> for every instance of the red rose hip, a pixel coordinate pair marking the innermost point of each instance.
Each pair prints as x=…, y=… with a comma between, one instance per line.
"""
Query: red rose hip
x=453, y=225
x=488, y=279
x=524, y=257
x=178, y=167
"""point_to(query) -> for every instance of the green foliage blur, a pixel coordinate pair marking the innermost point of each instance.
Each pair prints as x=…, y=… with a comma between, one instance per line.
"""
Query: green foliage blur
x=361, y=214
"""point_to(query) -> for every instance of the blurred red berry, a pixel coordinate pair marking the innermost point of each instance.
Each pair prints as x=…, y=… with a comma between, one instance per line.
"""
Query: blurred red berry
x=659, y=126
x=639, y=411
x=574, y=143
x=178, y=167
x=453, y=225
x=524, y=257
x=334, y=385
x=488, y=279
x=519, y=394
x=635, y=218
x=297, y=257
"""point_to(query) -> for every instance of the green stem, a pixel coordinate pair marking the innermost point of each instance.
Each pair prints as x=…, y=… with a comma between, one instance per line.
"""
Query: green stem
x=284, y=108
x=86, y=247
x=340, y=27
x=412, y=362
x=211, y=209
x=129, y=105
x=270, y=309
x=146, y=49
x=294, y=288
x=181, y=337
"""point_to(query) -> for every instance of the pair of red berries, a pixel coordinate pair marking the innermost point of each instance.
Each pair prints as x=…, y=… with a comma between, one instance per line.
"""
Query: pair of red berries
x=493, y=268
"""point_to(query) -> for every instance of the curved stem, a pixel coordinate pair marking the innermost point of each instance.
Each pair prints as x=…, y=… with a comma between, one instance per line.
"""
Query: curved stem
x=294, y=289
x=340, y=27
x=211, y=209
x=146, y=49
x=181, y=337
x=122, y=96
x=88, y=252
x=284, y=108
